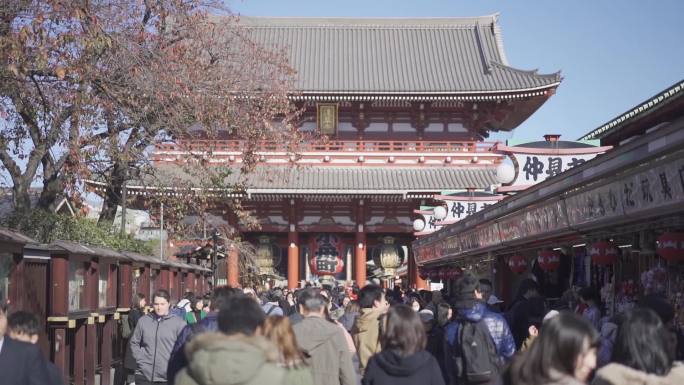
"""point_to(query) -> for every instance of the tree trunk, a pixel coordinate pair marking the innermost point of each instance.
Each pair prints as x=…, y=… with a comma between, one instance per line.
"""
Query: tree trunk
x=112, y=196
x=22, y=198
x=52, y=188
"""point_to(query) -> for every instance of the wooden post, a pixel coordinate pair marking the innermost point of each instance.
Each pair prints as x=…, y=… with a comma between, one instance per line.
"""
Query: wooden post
x=125, y=280
x=189, y=281
x=233, y=266
x=107, y=336
x=59, y=306
x=91, y=351
x=79, y=354
x=92, y=287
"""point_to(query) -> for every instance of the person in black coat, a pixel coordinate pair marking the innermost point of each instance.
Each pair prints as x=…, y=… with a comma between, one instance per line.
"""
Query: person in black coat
x=139, y=303
x=24, y=326
x=21, y=363
x=403, y=359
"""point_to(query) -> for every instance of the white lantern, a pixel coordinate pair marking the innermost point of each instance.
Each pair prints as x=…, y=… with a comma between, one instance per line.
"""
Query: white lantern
x=418, y=225
x=505, y=173
x=440, y=212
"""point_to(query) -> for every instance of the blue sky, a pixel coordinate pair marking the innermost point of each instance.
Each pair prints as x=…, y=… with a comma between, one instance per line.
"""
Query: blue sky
x=612, y=54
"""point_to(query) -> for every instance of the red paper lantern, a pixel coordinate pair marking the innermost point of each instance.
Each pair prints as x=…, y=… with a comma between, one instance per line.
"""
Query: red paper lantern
x=517, y=263
x=548, y=260
x=603, y=253
x=671, y=247
x=326, y=257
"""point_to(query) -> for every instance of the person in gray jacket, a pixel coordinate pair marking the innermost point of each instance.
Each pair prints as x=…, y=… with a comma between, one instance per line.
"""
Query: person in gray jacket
x=153, y=340
x=323, y=342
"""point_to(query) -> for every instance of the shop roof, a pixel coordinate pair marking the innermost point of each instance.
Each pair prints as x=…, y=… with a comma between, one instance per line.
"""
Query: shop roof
x=649, y=106
x=81, y=249
x=11, y=236
x=396, y=55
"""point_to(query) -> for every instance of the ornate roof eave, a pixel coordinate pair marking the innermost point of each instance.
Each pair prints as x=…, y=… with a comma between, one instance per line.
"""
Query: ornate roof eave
x=425, y=96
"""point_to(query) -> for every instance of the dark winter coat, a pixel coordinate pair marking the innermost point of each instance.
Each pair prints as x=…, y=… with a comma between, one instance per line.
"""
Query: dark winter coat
x=133, y=317
x=389, y=368
x=435, y=346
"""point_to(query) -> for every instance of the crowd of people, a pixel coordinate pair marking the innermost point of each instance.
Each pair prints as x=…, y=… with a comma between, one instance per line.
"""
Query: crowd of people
x=374, y=336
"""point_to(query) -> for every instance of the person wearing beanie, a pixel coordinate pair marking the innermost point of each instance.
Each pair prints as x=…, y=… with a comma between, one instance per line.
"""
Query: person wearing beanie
x=470, y=308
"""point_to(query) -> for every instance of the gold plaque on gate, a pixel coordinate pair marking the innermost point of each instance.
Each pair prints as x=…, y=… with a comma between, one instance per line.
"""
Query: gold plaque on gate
x=327, y=118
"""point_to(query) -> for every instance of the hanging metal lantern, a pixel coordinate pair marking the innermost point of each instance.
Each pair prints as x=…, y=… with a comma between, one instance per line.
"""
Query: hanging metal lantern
x=326, y=256
x=548, y=260
x=517, y=263
x=671, y=246
x=266, y=256
x=603, y=253
x=389, y=256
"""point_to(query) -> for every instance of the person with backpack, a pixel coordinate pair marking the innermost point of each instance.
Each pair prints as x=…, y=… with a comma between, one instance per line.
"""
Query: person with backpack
x=478, y=342
x=270, y=304
x=403, y=359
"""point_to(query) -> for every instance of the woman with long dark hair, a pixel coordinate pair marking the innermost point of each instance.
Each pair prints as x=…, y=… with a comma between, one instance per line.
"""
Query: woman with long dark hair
x=564, y=353
x=403, y=359
x=643, y=353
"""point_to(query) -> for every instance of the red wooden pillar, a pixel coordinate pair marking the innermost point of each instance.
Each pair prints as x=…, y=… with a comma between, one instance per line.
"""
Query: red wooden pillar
x=293, y=259
x=360, y=242
x=414, y=276
x=360, y=260
x=233, y=266
x=293, y=248
x=59, y=295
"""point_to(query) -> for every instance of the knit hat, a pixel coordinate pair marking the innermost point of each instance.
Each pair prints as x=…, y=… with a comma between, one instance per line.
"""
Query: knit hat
x=426, y=315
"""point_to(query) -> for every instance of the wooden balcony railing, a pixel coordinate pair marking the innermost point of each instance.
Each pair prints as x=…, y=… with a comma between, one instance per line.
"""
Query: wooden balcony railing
x=333, y=146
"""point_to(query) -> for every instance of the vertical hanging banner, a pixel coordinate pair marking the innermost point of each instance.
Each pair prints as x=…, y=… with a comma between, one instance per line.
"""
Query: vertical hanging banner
x=534, y=162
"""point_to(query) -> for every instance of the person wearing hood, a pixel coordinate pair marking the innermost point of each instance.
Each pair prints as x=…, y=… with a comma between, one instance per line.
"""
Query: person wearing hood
x=643, y=353
x=153, y=340
x=178, y=361
x=471, y=311
x=403, y=359
x=323, y=342
x=236, y=355
x=366, y=330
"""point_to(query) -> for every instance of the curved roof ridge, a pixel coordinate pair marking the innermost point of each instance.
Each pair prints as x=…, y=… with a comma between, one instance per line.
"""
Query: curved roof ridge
x=532, y=72
x=404, y=22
